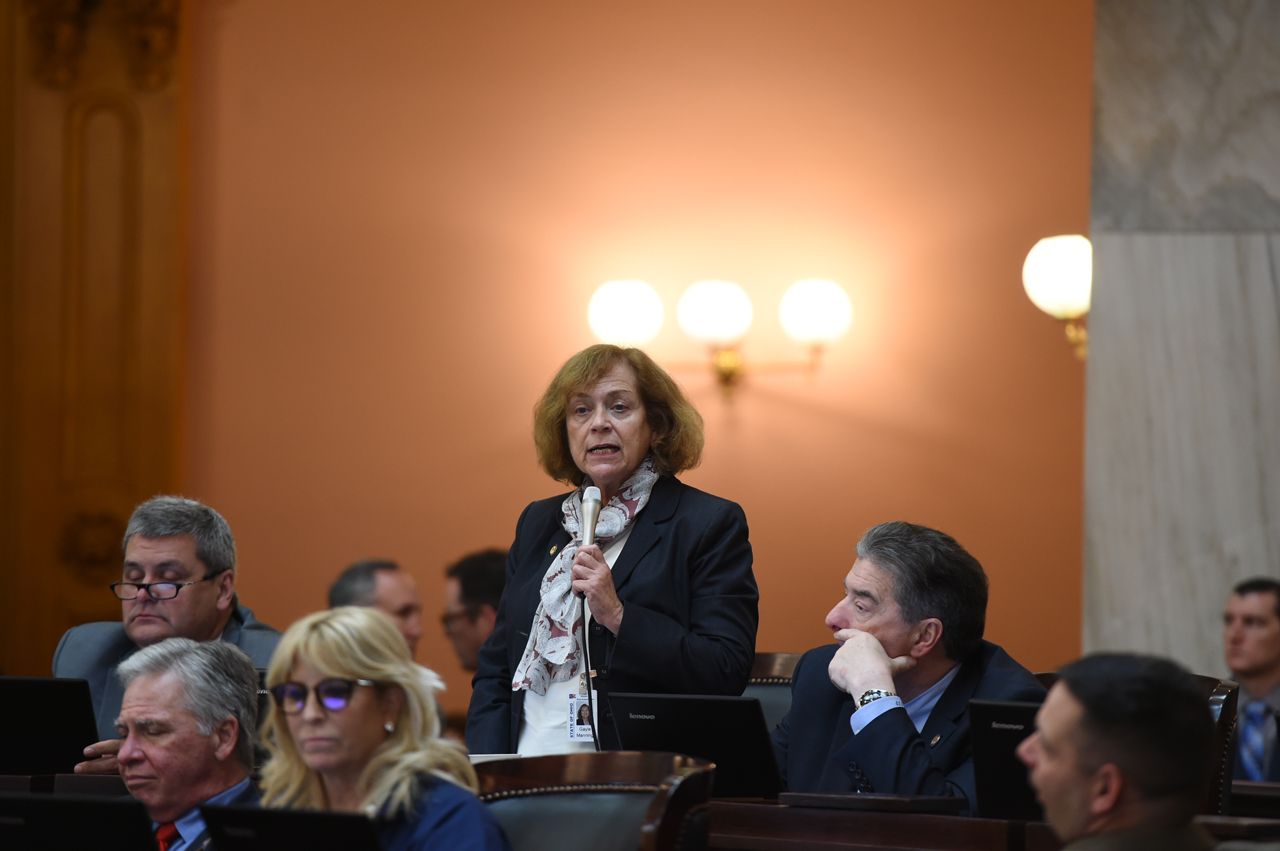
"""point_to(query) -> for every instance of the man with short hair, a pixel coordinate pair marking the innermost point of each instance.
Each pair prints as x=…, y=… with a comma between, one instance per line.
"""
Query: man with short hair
x=1122, y=755
x=472, y=591
x=179, y=581
x=886, y=709
x=187, y=726
x=381, y=584
x=1251, y=644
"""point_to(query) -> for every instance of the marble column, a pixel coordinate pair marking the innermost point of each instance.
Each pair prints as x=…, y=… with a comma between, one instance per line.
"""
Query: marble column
x=1182, y=460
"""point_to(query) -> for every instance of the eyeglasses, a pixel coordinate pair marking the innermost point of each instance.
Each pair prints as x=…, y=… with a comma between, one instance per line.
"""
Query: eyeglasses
x=448, y=619
x=333, y=694
x=155, y=590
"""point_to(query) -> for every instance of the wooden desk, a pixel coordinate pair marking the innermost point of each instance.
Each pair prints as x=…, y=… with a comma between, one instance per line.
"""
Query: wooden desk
x=746, y=826
x=95, y=785
x=26, y=782
x=774, y=827
x=1261, y=800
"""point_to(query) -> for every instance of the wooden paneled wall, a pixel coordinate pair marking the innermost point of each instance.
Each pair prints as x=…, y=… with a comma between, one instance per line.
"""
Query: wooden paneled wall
x=93, y=297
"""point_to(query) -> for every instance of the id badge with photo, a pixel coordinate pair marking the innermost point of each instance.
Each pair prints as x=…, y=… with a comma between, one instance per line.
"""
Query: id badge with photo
x=580, y=719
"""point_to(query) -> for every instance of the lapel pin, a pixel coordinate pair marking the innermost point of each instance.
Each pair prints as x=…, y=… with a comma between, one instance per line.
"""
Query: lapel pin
x=936, y=739
x=553, y=550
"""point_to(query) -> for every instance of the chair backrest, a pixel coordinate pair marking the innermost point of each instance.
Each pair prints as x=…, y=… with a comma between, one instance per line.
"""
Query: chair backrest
x=1222, y=696
x=770, y=683
x=615, y=800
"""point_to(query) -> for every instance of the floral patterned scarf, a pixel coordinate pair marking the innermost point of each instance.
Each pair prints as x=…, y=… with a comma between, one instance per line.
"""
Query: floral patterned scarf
x=554, y=651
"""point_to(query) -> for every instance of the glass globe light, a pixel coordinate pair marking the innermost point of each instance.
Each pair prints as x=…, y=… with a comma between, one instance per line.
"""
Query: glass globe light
x=815, y=311
x=1058, y=275
x=715, y=312
x=626, y=313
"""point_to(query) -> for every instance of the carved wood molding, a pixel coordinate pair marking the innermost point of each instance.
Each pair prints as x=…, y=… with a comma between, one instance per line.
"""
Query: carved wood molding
x=58, y=31
x=151, y=41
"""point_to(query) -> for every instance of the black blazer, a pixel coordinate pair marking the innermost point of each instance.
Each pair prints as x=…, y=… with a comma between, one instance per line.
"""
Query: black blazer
x=1273, y=767
x=817, y=751
x=689, y=620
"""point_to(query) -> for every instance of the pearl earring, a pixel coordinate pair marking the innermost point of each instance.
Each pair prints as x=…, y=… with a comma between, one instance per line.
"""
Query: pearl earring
x=389, y=727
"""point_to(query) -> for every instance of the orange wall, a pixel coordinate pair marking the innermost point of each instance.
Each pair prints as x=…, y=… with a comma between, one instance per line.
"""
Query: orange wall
x=401, y=208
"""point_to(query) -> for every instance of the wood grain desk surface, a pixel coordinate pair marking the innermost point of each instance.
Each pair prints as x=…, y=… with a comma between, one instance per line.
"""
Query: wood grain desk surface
x=766, y=826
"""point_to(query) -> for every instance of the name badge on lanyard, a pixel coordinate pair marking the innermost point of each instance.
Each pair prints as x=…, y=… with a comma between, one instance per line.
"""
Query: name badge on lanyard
x=580, y=718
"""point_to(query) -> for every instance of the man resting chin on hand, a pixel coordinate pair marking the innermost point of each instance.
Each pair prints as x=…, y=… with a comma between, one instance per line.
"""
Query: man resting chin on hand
x=886, y=708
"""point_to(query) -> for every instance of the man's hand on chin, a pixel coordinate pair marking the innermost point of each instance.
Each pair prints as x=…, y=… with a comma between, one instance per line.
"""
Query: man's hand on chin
x=862, y=664
x=102, y=758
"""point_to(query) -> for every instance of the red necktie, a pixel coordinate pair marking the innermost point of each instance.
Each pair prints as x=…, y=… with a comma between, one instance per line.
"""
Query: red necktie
x=166, y=834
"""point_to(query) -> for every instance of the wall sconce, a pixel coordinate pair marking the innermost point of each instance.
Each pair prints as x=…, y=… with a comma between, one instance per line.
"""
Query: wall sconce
x=627, y=313
x=1058, y=278
x=813, y=312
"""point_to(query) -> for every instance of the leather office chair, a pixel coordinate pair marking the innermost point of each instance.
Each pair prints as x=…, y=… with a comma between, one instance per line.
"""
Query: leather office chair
x=1222, y=696
x=607, y=801
x=770, y=683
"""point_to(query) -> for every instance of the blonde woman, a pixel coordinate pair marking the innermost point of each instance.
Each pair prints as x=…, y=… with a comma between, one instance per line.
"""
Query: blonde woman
x=354, y=729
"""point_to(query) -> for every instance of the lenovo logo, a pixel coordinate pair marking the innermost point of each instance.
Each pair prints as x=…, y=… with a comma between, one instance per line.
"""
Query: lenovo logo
x=641, y=717
x=996, y=725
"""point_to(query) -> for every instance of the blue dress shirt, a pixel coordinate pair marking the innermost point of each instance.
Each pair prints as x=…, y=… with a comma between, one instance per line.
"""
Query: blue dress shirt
x=918, y=707
x=191, y=824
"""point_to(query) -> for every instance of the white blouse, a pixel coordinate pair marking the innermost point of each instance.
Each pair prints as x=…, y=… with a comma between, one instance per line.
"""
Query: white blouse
x=544, y=728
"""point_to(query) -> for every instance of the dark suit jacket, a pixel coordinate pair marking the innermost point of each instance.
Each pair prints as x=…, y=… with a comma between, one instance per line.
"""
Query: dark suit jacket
x=93, y=651
x=689, y=620
x=249, y=797
x=817, y=751
x=1273, y=766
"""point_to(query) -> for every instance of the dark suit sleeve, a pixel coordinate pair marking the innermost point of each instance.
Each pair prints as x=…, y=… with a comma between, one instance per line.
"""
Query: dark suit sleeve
x=895, y=758
x=489, y=714
x=781, y=734
x=713, y=653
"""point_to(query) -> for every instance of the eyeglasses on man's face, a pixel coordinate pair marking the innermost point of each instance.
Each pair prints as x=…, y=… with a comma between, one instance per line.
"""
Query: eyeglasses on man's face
x=155, y=590
x=449, y=619
x=334, y=694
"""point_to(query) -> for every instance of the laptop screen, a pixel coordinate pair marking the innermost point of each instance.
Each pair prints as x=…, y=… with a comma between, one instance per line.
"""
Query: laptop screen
x=997, y=728
x=729, y=731
x=41, y=822
x=253, y=829
x=50, y=722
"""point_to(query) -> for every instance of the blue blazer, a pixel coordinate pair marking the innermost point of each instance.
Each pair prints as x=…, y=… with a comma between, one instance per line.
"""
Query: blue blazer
x=817, y=751
x=445, y=816
x=93, y=651
x=690, y=610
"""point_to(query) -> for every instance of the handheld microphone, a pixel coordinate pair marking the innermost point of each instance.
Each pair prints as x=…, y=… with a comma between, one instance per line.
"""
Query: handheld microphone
x=590, y=513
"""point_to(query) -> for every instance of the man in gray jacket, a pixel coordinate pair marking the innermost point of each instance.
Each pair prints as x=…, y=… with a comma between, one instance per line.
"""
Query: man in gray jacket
x=179, y=581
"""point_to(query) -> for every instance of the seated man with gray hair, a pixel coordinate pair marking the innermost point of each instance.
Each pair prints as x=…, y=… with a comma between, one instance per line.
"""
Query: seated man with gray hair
x=187, y=725
x=179, y=581
x=886, y=708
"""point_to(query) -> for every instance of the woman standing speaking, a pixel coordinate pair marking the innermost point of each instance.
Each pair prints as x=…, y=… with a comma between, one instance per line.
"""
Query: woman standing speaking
x=664, y=601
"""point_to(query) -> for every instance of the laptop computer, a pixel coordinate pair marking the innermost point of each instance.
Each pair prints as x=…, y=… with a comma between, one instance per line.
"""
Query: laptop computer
x=729, y=731
x=50, y=723
x=997, y=727
x=41, y=821
x=252, y=829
